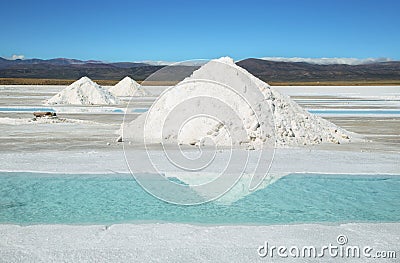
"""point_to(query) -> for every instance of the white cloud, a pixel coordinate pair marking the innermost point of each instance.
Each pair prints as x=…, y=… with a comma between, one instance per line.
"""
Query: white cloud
x=156, y=63
x=329, y=61
x=14, y=57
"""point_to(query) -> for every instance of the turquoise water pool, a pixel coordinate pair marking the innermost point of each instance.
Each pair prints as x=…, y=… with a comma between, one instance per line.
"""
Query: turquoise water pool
x=27, y=198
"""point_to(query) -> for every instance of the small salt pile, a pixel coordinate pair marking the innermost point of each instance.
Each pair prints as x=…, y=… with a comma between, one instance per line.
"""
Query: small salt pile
x=83, y=92
x=127, y=87
x=272, y=120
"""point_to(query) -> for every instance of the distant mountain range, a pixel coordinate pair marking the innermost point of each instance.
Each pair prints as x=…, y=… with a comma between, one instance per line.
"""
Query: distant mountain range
x=274, y=71
x=63, y=68
x=269, y=71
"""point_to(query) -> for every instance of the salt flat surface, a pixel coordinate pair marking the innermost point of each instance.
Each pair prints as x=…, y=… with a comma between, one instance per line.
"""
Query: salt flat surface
x=366, y=92
x=286, y=161
x=186, y=243
x=53, y=120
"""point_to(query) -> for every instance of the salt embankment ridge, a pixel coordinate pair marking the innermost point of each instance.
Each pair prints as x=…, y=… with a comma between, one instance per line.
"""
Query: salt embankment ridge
x=128, y=87
x=83, y=92
x=272, y=120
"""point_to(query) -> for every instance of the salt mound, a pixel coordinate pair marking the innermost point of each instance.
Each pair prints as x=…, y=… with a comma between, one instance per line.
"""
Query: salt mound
x=128, y=87
x=83, y=92
x=273, y=119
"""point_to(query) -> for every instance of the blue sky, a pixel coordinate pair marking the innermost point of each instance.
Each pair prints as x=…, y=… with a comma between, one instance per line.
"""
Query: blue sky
x=179, y=30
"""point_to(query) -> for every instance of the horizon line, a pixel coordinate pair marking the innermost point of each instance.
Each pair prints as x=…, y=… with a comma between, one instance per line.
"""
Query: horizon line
x=310, y=60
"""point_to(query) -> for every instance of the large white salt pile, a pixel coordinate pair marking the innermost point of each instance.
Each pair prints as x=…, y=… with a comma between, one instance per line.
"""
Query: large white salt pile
x=83, y=92
x=127, y=87
x=269, y=119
